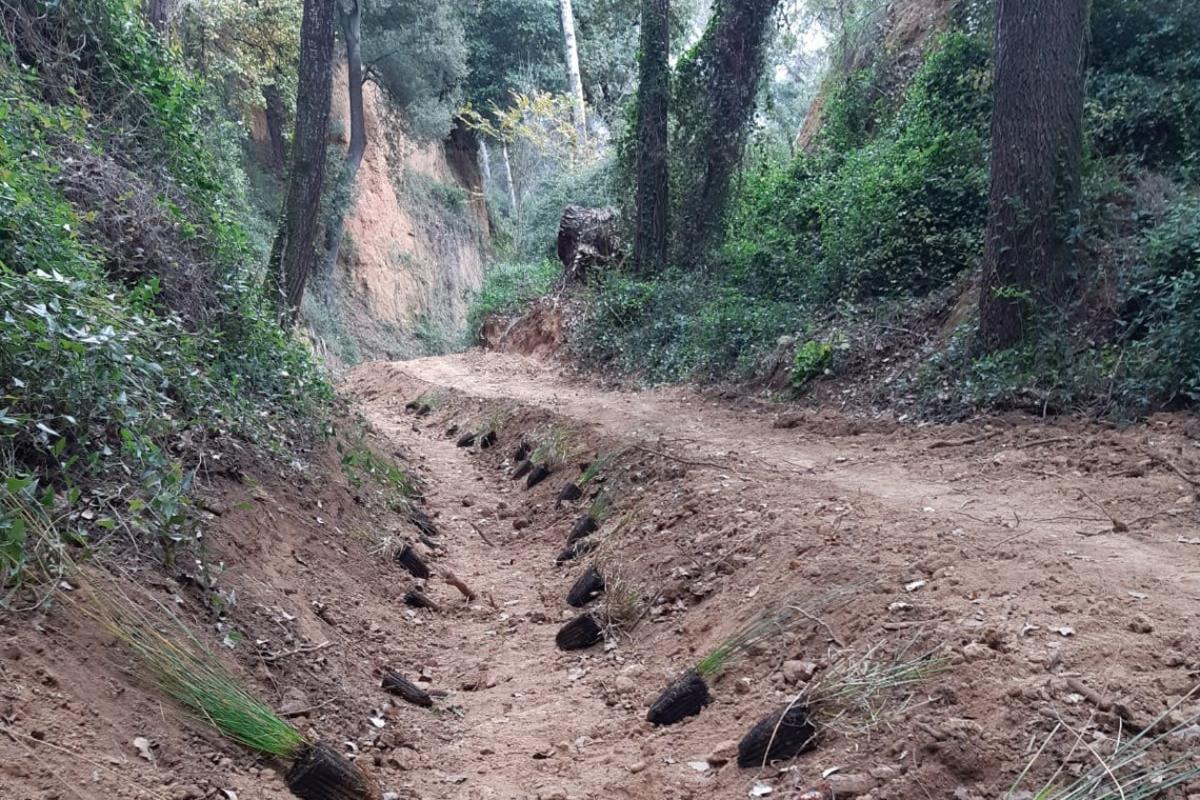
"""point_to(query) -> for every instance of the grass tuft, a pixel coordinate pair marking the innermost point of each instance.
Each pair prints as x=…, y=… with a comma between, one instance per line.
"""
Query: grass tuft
x=1131, y=772
x=170, y=657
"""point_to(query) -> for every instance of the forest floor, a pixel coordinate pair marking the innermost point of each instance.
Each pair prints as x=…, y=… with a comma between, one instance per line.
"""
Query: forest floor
x=1052, y=568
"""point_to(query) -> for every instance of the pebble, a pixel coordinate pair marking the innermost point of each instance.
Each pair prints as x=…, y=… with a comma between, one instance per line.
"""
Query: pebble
x=976, y=651
x=188, y=791
x=625, y=684
x=637, y=767
x=852, y=784
x=795, y=672
x=1141, y=624
x=723, y=753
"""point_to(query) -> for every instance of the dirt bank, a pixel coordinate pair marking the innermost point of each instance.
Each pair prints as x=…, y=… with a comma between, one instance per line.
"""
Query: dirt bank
x=1051, y=569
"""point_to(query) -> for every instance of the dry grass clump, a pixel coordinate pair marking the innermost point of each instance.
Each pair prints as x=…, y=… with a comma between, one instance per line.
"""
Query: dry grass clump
x=554, y=448
x=859, y=692
x=1139, y=767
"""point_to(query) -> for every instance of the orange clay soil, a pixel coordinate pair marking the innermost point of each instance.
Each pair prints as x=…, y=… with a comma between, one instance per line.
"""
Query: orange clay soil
x=1053, y=568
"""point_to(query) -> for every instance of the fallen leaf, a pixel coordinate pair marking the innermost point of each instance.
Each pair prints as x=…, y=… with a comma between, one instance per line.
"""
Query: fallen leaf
x=1065, y=630
x=761, y=789
x=912, y=587
x=699, y=766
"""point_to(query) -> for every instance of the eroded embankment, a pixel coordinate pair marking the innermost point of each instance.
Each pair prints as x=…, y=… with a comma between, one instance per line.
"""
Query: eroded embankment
x=1049, y=570
x=1046, y=568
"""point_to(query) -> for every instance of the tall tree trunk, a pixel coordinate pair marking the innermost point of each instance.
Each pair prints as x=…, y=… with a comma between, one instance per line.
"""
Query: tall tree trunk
x=713, y=99
x=350, y=17
x=650, y=240
x=571, y=56
x=276, y=116
x=293, y=254
x=1037, y=140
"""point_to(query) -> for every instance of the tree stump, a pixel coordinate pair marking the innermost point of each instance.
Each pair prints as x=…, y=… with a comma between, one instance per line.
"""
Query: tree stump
x=587, y=238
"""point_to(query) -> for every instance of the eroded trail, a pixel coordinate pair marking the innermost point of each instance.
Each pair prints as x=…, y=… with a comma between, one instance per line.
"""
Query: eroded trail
x=1031, y=556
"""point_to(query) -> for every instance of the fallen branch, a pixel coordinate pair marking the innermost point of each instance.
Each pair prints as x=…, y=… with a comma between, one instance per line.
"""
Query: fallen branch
x=457, y=583
x=962, y=442
x=482, y=535
x=1173, y=467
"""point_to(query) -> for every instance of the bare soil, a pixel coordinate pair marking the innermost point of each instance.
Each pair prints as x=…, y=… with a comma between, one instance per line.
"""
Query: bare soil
x=1052, y=567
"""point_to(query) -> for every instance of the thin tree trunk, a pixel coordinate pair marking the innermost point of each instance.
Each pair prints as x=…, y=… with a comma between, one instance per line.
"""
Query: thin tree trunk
x=276, y=116
x=1037, y=140
x=508, y=179
x=293, y=254
x=485, y=163
x=574, y=81
x=714, y=95
x=350, y=17
x=651, y=231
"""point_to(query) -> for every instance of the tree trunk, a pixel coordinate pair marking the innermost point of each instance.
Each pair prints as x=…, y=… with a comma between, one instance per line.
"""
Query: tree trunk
x=571, y=56
x=1037, y=141
x=276, y=116
x=485, y=163
x=350, y=18
x=508, y=179
x=293, y=254
x=158, y=14
x=650, y=234
x=714, y=101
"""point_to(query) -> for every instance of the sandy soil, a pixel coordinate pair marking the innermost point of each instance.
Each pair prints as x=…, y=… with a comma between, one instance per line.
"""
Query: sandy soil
x=1053, y=569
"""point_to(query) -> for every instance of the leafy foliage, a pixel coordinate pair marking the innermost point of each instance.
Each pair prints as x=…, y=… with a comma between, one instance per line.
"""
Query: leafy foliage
x=102, y=380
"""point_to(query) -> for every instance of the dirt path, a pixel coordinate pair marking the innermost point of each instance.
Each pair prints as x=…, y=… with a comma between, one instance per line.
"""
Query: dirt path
x=1047, y=554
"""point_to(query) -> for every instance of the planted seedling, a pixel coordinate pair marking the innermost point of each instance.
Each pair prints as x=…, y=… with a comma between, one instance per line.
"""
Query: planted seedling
x=581, y=632
x=408, y=558
x=854, y=695
x=598, y=511
x=425, y=403
x=587, y=587
x=574, y=490
x=418, y=599
x=170, y=657
x=553, y=450
x=682, y=698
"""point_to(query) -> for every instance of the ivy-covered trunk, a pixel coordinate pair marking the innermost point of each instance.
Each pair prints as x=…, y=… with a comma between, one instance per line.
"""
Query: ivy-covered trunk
x=276, y=114
x=650, y=242
x=713, y=101
x=1037, y=141
x=293, y=254
x=350, y=18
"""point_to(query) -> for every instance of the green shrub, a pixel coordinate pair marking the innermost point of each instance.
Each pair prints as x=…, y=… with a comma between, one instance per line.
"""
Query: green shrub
x=102, y=381
x=810, y=360
x=507, y=288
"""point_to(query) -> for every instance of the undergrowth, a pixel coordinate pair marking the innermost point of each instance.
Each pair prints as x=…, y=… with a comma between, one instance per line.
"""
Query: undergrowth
x=889, y=206
x=507, y=288
x=113, y=398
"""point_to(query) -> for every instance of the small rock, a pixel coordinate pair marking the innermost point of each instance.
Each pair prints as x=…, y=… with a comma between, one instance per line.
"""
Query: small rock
x=637, y=767
x=885, y=773
x=723, y=753
x=520, y=524
x=1141, y=624
x=851, y=784
x=188, y=791
x=795, y=672
x=976, y=651
x=625, y=684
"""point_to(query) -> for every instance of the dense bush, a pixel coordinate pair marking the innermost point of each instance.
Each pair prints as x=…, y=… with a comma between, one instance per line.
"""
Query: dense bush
x=891, y=213
x=1144, y=89
x=102, y=381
